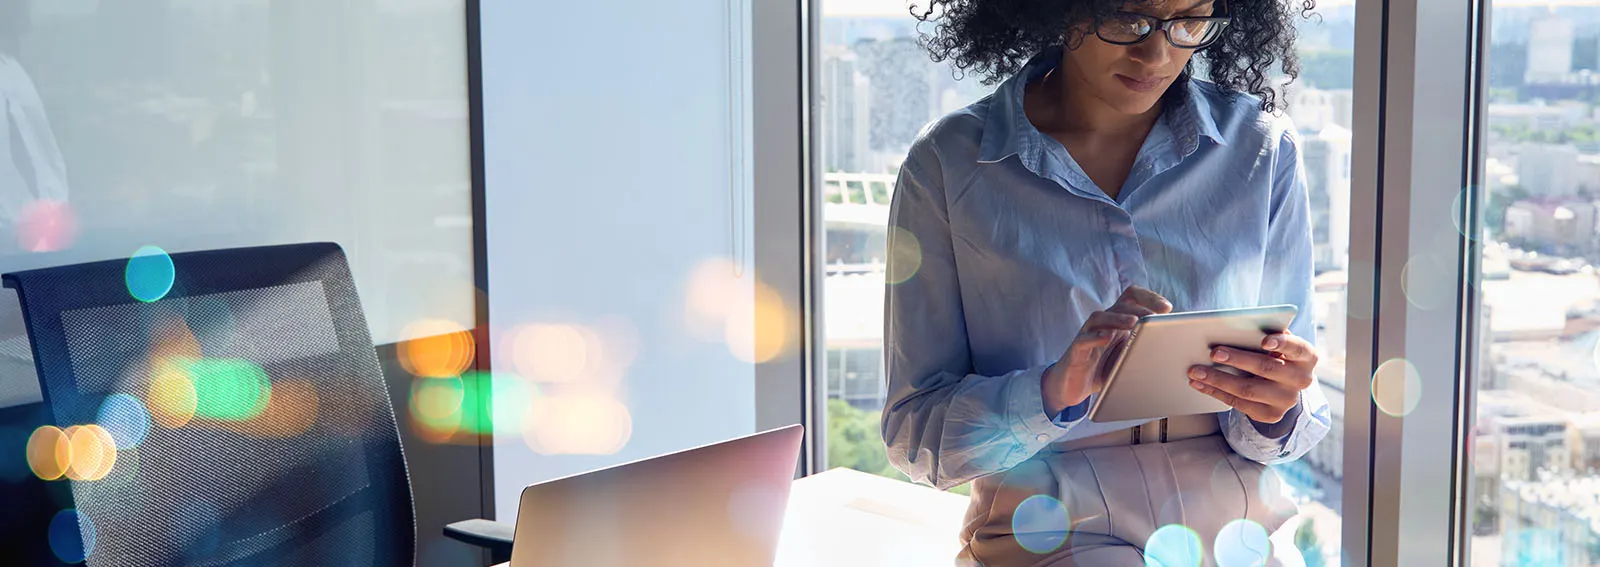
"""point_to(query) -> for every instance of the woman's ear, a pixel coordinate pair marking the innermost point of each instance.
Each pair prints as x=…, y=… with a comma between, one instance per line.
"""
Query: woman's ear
x=1075, y=34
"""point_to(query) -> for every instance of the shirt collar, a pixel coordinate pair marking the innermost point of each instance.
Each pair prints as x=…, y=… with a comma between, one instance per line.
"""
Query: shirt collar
x=1008, y=132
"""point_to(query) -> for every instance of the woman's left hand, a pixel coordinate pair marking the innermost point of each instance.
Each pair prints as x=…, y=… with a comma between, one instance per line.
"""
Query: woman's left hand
x=1270, y=383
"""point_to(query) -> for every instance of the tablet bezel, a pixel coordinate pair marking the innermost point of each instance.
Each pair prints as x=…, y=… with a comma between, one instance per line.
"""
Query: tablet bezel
x=1159, y=335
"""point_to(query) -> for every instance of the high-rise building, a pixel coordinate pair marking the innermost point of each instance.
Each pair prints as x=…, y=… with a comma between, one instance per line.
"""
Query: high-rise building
x=846, y=98
x=1548, y=170
x=1549, y=50
x=904, y=94
x=1326, y=158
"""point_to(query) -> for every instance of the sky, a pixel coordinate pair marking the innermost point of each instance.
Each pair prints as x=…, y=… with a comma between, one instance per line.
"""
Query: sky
x=898, y=7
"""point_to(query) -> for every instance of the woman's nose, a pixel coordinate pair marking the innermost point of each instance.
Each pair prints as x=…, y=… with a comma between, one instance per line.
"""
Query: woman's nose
x=1153, y=51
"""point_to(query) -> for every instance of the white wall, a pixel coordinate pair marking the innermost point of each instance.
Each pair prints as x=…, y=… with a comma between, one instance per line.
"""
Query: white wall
x=616, y=153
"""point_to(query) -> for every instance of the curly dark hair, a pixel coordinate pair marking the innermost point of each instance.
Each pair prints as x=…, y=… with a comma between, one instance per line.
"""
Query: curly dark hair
x=994, y=38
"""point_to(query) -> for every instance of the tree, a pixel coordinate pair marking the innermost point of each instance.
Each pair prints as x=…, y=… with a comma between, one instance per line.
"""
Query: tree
x=1327, y=69
x=1494, y=216
x=1310, y=546
x=854, y=442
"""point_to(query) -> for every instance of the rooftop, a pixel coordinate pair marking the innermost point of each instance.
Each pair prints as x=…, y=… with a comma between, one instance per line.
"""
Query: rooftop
x=1578, y=498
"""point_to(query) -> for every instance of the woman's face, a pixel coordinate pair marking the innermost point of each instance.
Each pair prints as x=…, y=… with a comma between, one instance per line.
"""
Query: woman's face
x=1132, y=78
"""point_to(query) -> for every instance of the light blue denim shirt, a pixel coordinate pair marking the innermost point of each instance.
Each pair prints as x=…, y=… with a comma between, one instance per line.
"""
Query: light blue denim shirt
x=1003, y=246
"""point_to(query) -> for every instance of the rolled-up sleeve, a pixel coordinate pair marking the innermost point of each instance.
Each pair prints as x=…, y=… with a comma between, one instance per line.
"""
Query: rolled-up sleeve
x=943, y=424
x=1286, y=278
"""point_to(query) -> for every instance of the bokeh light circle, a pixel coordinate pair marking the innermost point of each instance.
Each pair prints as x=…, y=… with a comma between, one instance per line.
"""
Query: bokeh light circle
x=712, y=290
x=1396, y=387
x=150, y=274
x=94, y=452
x=1041, y=524
x=510, y=400
x=757, y=331
x=1426, y=283
x=172, y=395
x=905, y=256
x=438, y=349
x=71, y=536
x=552, y=352
x=436, y=405
x=229, y=389
x=46, y=225
x=49, y=452
x=291, y=410
x=577, y=425
x=1242, y=543
x=1458, y=214
x=126, y=419
x=1173, y=545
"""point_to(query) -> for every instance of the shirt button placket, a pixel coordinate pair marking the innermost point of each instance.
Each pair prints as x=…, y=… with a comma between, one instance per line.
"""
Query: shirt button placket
x=1126, y=254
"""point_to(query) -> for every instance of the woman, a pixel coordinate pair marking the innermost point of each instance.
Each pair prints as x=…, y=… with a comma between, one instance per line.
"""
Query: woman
x=1101, y=182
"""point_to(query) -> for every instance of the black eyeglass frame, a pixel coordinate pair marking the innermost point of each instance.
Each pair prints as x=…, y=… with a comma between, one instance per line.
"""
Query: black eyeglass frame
x=1163, y=25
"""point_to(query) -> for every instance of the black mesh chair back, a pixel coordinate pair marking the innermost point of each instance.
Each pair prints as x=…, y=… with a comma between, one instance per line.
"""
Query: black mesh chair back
x=249, y=415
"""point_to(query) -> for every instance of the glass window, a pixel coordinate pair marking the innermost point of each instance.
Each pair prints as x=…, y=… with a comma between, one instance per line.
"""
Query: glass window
x=201, y=125
x=1535, y=493
x=878, y=90
x=629, y=319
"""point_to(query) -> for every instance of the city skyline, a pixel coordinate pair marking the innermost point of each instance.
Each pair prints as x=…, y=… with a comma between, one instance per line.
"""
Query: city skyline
x=1537, y=431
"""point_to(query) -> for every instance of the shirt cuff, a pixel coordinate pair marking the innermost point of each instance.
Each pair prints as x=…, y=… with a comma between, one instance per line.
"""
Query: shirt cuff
x=1264, y=442
x=1074, y=414
x=1277, y=431
x=1025, y=413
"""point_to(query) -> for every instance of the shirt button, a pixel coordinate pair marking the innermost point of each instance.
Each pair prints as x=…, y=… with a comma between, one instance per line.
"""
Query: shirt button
x=1043, y=438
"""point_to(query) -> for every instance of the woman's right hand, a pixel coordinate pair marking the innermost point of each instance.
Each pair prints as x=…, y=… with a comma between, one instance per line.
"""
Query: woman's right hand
x=1081, y=370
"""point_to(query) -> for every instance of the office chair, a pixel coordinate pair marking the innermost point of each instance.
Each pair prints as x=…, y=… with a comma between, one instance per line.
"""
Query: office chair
x=249, y=415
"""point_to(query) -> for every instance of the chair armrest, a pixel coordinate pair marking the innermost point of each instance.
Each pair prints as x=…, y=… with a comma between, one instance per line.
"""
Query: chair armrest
x=494, y=536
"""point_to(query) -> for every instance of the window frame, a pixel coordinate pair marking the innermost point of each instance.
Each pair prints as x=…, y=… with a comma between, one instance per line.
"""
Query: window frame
x=784, y=197
x=1411, y=119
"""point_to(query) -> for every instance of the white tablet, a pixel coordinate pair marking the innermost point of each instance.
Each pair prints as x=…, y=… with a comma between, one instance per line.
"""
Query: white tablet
x=1149, y=377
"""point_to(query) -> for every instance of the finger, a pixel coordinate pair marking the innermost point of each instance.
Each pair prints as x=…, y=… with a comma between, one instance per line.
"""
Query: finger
x=1251, y=409
x=1263, y=365
x=1147, y=298
x=1130, y=308
x=1252, y=388
x=1290, y=347
x=1084, y=349
x=1107, y=320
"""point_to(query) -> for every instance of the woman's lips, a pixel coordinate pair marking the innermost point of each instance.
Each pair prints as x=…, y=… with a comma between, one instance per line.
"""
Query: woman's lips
x=1139, y=85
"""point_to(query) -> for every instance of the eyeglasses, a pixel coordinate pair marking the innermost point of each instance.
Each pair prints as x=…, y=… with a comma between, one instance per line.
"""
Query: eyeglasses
x=1187, y=32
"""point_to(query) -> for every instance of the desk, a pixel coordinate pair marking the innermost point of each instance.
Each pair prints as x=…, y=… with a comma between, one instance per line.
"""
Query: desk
x=845, y=518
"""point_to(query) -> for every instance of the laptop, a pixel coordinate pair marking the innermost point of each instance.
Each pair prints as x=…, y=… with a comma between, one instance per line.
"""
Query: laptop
x=717, y=505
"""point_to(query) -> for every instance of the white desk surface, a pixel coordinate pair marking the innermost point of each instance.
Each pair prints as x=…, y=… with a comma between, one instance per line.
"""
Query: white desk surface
x=845, y=518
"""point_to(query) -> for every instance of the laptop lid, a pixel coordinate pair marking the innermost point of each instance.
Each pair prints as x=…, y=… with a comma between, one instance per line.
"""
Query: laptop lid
x=716, y=505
